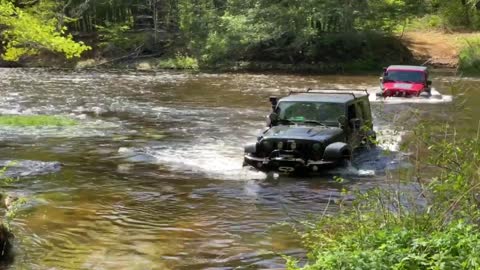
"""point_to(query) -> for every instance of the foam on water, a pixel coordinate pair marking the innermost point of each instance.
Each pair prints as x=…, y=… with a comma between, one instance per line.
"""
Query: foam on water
x=218, y=161
x=435, y=98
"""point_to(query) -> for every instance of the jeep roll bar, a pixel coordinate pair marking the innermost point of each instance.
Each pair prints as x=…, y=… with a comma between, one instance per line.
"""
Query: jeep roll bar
x=332, y=91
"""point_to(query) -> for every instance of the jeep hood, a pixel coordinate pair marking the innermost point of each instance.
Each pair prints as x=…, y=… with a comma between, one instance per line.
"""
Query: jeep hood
x=318, y=133
x=403, y=86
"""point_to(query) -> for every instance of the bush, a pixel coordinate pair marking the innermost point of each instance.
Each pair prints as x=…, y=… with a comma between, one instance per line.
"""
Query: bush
x=470, y=56
x=427, y=22
x=179, y=62
x=455, y=247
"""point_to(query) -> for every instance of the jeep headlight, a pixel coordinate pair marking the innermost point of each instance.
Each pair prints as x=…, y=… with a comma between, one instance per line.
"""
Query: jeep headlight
x=316, y=147
x=280, y=145
x=293, y=145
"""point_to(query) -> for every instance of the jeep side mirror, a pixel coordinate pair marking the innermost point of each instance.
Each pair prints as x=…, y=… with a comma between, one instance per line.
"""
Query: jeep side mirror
x=381, y=78
x=273, y=101
x=429, y=83
x=272, y=119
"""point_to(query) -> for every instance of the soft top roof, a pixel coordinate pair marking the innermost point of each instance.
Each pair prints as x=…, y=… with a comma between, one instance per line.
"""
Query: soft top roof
x=330, y=96
x=401, y=67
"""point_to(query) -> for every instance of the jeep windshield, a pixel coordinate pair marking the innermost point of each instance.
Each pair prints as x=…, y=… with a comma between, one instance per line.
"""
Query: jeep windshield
x=321, y=113
x=404, y=76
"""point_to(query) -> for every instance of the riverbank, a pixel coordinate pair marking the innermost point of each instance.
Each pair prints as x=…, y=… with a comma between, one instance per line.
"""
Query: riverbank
x=432, y=48
x=438, y=49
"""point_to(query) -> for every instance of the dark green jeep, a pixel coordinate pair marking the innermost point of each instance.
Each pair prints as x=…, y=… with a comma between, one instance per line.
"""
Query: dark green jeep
x=308, y=130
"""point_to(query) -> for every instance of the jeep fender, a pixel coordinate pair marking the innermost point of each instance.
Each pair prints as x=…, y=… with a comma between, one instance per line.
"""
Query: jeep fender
x=337, y=151
x=250, y=148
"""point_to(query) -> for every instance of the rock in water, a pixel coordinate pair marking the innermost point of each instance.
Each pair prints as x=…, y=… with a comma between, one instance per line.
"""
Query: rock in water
x=24, y=168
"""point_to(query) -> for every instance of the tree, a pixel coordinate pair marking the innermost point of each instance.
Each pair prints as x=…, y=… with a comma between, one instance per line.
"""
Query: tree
x=29, y=30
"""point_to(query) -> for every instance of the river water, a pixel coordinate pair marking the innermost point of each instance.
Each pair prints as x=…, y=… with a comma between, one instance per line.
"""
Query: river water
x=152, y=177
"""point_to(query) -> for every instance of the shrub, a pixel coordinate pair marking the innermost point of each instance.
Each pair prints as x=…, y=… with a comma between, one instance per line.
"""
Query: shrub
x=455, y=247
x=179, y=62
x=427, y=22
x=470, y=56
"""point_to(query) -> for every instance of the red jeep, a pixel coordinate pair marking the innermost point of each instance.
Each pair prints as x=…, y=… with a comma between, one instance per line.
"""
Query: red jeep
x=404, y=81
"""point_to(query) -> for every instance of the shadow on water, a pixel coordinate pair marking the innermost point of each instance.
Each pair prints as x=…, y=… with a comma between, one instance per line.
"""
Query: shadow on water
x=152, y=176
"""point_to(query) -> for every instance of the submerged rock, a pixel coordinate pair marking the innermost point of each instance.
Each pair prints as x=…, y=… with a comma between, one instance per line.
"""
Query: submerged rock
x=23, y=168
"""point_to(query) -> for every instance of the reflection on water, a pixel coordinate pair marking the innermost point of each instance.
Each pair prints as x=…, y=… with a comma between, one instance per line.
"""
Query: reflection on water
x=152, y=176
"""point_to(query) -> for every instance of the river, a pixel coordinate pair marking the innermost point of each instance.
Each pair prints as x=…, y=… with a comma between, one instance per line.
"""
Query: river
x=152, y=176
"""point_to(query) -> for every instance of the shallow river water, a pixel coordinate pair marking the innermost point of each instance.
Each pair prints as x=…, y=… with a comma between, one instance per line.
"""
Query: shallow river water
x=152, y=177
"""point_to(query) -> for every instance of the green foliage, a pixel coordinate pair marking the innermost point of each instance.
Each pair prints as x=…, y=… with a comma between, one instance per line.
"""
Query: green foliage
x=470, y=56
x=30, y=30
x=289, y=32
x=218, y=31
x=454, y=247
x=393, y=228
x=448, y=14
x=459, y=14
x=179, y=62
x=35, y=120
x=112, y=33
x=427, y=22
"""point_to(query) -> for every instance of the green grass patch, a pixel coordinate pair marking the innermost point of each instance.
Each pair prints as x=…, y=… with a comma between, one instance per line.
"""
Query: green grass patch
x=35, y=120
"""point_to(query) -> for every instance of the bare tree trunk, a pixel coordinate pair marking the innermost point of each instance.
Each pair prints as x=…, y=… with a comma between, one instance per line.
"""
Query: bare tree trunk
x=155, y=21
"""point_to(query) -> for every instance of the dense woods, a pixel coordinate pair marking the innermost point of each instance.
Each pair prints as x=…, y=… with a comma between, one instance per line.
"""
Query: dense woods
x=216, y=31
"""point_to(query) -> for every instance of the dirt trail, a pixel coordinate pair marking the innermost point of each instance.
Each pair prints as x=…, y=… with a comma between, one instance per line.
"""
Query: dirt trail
x=440, y=49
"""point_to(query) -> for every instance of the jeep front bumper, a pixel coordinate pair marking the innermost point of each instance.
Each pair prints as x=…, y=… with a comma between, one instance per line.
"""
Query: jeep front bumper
x=400, y=93
x=283, y=164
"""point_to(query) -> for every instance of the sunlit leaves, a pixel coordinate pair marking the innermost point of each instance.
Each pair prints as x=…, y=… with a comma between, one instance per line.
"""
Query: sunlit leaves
x=28, y=31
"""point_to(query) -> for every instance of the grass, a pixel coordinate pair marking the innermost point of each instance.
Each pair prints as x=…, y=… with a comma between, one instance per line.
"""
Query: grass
x=35, y=120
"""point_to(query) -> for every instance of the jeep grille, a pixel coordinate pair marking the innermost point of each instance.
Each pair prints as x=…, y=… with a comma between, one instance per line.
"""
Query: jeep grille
x=303, y=149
